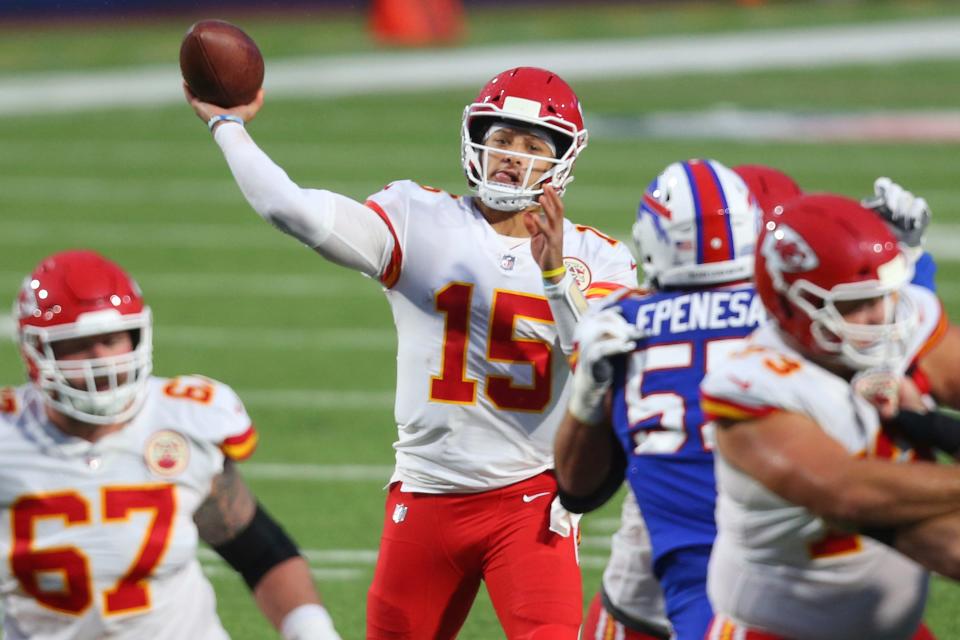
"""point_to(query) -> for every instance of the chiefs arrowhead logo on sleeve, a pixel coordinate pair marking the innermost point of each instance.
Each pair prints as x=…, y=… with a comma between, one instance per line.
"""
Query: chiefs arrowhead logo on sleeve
x=580, y=272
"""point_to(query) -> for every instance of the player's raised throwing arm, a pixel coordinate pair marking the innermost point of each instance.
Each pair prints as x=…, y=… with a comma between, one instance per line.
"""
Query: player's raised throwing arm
x=335, y=226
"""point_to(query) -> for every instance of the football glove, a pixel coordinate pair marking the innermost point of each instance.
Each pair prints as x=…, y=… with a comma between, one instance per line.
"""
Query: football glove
x=599, y=336
x=880, y=386
x=907, y=215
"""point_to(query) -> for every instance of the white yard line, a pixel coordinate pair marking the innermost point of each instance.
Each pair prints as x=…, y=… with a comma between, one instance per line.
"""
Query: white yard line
x=365, y=557
x=317, y=472
x=259, y=338
x=334, y=76
x=219, y=570
x=318, y=399
x=231, y=285
x=595, y=542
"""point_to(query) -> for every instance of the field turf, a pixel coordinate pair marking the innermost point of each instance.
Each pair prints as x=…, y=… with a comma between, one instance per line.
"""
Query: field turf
x=310, y=346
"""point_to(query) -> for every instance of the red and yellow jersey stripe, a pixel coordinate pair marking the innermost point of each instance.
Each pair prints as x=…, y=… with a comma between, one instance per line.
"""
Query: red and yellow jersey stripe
x=242, y=446
x=724, y=409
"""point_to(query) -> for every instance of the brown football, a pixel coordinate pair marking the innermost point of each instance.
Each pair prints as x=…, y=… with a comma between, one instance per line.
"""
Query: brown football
x=221, y=63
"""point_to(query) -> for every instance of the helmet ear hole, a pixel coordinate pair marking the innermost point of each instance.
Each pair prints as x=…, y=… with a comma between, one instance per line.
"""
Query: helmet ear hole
x=785, y=306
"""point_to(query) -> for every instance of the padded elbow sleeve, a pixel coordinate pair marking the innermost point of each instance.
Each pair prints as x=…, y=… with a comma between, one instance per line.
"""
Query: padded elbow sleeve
x=599, y=496
x=258, y=548
x=933, y=429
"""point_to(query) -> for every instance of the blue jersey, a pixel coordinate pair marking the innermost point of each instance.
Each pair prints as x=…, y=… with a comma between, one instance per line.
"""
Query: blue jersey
x=656, y=405
x=923, y=272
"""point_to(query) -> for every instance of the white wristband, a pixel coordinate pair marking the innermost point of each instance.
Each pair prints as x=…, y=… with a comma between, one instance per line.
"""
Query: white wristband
x=223, y=117
x=308, y=622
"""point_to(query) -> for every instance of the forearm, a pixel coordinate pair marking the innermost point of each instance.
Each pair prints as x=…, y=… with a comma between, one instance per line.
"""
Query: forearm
x=878, y=493
x=284, y=588
x=934, y=543
x=567, y=304
x=582, y=455
x=791, y=456
x=340, y=229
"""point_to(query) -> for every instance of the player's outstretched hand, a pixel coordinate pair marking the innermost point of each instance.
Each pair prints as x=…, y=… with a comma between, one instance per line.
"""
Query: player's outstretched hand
x=206, y=110
x=908, y=215
x=599, y=336
x=546, y=231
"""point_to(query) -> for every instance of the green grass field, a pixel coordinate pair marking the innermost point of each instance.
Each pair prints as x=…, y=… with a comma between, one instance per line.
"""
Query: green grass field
x=310, y=345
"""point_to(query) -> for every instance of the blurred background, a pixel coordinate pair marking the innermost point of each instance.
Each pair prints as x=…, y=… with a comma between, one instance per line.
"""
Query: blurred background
x=99, y=150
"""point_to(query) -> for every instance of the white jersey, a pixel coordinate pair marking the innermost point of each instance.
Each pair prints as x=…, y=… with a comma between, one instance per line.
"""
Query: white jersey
x=480, y=375
x=776, y=566
x=629, y=583
x=98, y=538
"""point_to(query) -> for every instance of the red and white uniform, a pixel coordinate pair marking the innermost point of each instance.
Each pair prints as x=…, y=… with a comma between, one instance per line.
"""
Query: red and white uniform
x=99, y=538
x=481, y=379
x=480, y=376
x=777, y=567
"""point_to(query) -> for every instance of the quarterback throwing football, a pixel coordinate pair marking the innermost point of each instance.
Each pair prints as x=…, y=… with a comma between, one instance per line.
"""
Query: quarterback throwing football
x=485, y=293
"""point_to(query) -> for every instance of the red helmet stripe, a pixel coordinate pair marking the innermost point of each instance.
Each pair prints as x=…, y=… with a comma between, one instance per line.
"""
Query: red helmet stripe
x=714, y=235
x=653, y=205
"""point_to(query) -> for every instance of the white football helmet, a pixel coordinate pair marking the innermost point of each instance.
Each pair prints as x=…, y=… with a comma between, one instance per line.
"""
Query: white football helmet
x=527, y=98
x=697, y=225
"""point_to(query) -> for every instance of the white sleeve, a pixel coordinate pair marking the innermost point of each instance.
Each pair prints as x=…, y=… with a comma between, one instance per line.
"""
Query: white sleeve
x=335, y=226
x=567, y=304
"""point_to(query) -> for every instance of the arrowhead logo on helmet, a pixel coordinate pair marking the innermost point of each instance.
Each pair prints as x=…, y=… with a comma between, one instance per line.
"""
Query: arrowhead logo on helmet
x=785, y=251
x=822, y=254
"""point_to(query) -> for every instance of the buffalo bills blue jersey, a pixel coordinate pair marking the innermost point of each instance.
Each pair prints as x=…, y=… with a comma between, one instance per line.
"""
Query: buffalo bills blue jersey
x=924, y=271
x=656, y=405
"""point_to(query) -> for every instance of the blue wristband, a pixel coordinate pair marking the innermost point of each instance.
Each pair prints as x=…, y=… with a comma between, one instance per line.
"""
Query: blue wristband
x=223, y=117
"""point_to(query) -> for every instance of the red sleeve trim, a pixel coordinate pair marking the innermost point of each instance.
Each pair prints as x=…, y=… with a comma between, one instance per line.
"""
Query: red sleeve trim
x=601, y=289
x=391, y=273
x=242, y=446
x=721, y=408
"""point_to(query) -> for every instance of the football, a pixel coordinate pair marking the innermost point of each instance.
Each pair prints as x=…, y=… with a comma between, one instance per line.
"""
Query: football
x=221, y=64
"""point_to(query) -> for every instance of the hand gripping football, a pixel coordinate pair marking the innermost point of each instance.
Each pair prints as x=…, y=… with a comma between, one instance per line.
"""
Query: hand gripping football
x=221, y=64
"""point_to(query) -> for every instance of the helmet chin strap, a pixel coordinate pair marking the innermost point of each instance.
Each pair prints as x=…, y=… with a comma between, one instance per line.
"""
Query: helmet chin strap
x=505, y=202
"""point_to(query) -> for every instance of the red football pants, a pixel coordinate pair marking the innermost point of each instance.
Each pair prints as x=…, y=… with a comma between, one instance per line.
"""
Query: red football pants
x=436, y=548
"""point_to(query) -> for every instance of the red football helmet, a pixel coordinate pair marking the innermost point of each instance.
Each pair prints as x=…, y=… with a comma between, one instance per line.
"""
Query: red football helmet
x=770, y=186
x=531, y=98
x=818, y=250
x=75, y=294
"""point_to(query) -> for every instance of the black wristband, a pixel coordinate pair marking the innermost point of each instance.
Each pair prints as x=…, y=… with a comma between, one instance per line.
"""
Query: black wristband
x=933, y=429
x=258, y=548
x=885, y=535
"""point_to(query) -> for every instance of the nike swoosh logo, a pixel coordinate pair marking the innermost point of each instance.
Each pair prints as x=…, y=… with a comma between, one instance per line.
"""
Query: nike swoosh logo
x=527, y=498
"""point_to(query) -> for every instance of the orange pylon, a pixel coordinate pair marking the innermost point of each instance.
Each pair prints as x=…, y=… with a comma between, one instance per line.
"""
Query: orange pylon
x=417, y=22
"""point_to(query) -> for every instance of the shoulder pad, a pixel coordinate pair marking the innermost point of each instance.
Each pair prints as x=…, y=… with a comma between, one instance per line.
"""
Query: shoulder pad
x=215, y=413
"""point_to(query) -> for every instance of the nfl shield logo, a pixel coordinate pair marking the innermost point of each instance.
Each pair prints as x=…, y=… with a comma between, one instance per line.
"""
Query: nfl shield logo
x=399, y=513
x=507, y=261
